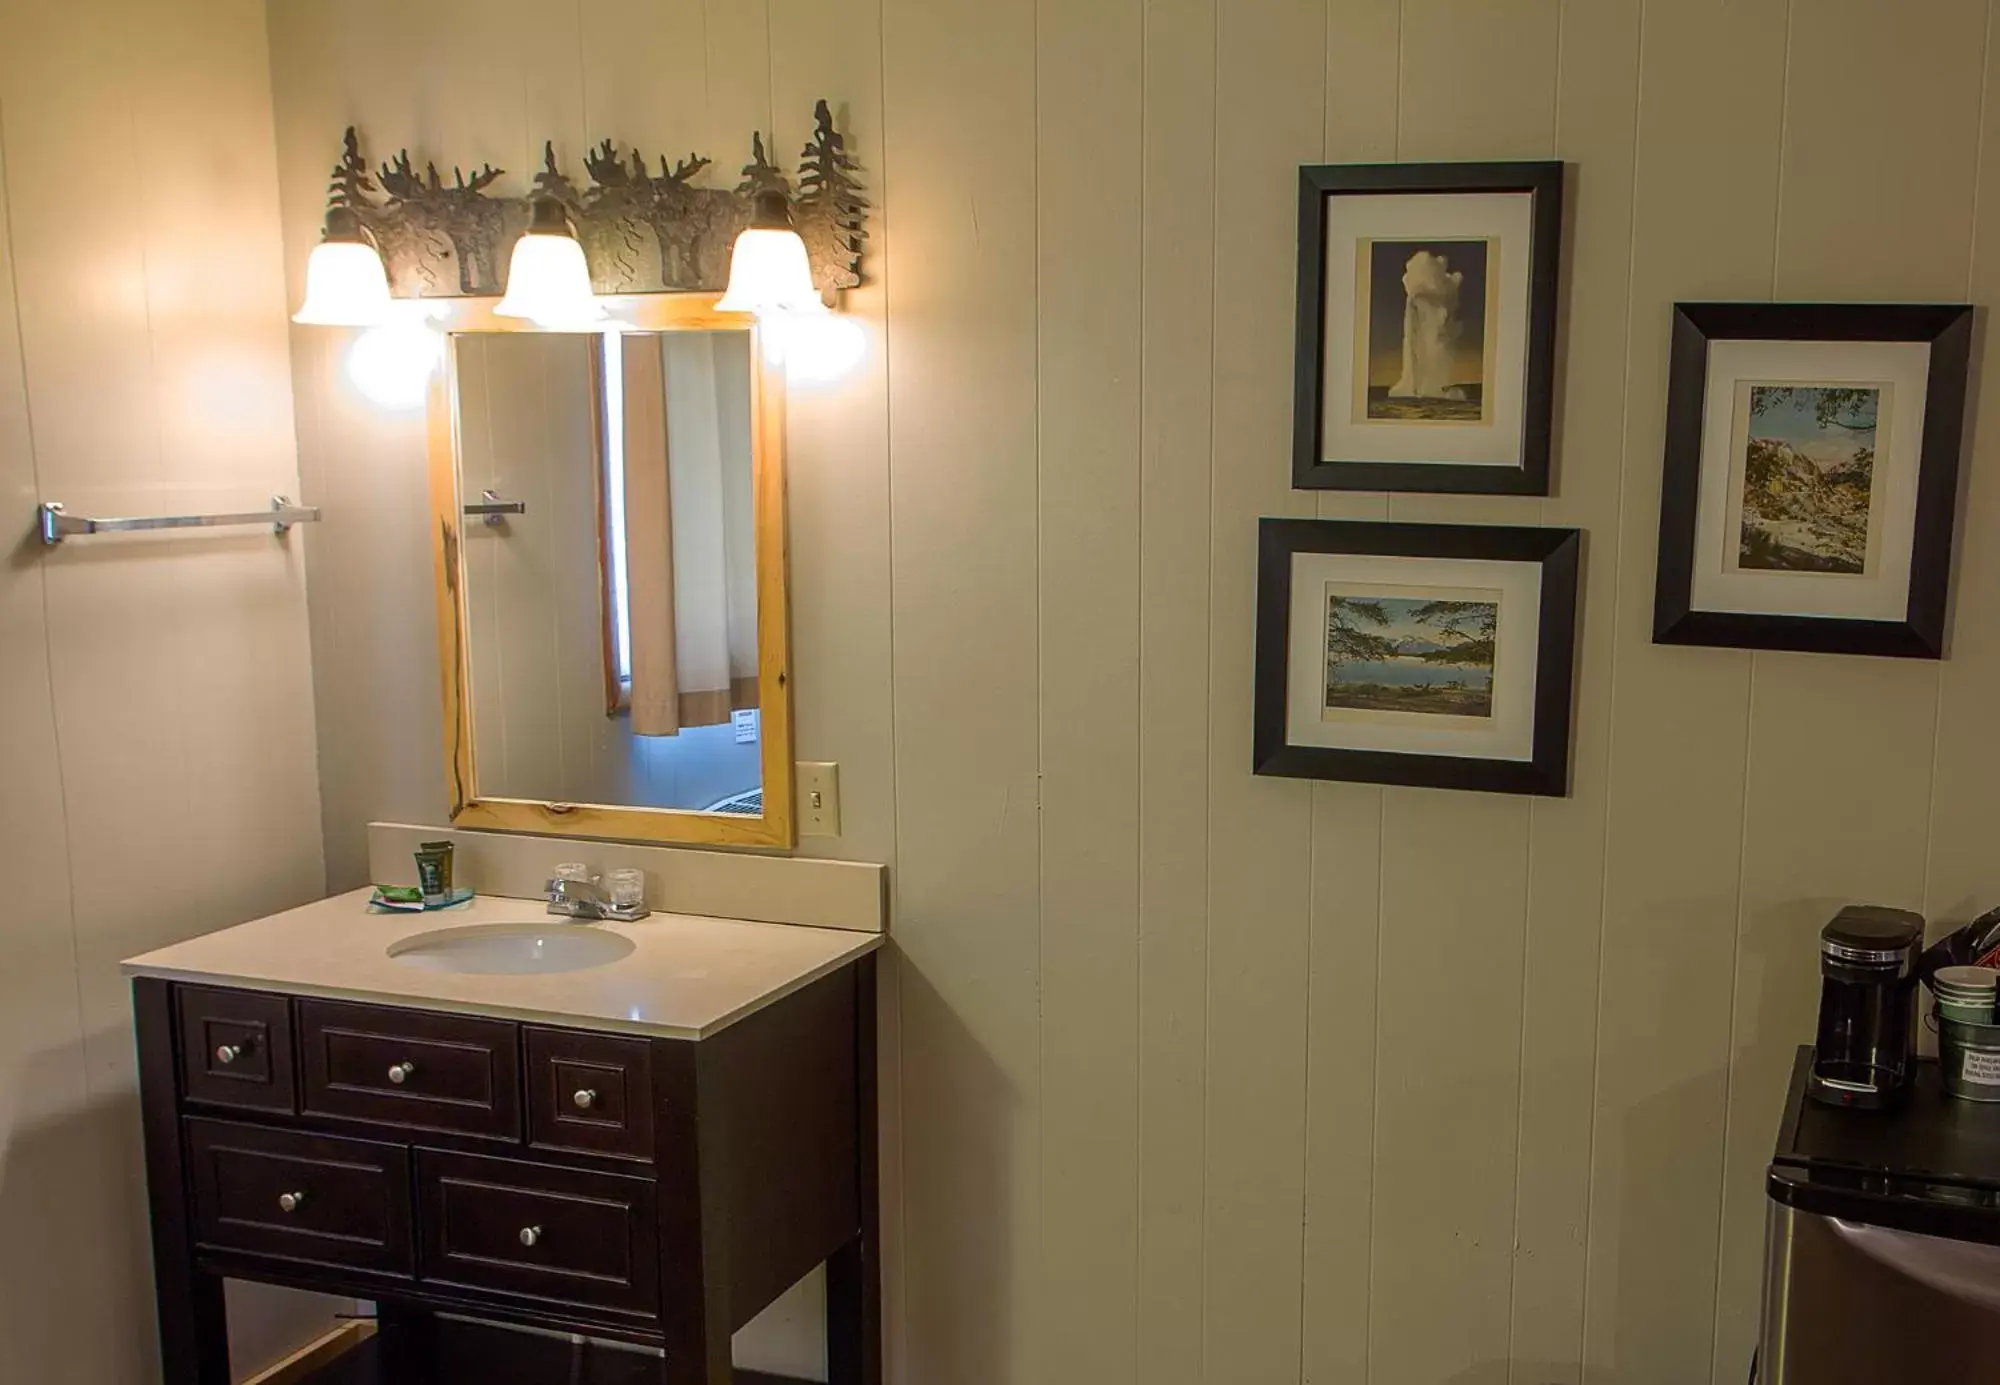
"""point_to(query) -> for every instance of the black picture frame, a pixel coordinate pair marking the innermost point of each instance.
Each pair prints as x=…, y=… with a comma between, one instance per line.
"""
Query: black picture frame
x=1558, y=551
x=1542, y=180
x=1947, y=327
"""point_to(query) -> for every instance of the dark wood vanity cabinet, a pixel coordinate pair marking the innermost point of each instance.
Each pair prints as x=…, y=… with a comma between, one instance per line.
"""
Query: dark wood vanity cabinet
x=654, y=1191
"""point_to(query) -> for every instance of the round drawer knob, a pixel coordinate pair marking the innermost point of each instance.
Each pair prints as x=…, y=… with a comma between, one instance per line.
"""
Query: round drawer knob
x=585, y=1099
x=399, y=1073
x=291, y=1202
x=531, y=1235
x=226, y=1054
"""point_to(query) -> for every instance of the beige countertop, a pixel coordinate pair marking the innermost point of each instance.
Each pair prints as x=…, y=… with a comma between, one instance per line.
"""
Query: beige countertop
x=686, y=977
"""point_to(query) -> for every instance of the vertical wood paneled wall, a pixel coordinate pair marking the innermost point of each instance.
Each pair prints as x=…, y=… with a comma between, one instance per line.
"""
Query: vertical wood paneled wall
x=1168, y=1095
x=156, y=718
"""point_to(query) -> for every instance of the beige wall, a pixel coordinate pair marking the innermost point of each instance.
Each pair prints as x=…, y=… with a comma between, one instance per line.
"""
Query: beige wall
x=1168, y=1097
x=156, y=721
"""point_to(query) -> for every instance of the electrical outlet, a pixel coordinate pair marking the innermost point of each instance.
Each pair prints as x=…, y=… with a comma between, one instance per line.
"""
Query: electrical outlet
x=819, y=799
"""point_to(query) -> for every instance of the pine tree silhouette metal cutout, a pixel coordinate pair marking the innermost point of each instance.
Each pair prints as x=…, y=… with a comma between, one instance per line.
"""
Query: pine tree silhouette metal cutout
x=350, y=188
x=831, y=212
x=643, y=231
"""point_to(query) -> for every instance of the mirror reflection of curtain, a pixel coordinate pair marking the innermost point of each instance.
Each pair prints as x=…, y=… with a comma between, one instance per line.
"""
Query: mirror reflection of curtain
x=689, y=530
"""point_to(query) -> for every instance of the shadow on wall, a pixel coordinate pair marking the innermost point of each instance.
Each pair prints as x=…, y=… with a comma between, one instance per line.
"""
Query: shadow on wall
x=76, y=1287
x=1778, y=1009
x=1669, y=1163
x=1514, y=1373
x=956, y=1170
x=1780, y=968
x=76, y=1272
x=1778, y=989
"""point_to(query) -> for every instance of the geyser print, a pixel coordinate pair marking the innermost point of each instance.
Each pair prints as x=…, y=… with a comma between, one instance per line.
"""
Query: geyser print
x=1425, y=321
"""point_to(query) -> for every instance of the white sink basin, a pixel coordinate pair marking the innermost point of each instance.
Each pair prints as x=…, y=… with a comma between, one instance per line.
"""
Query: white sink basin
x=511, y=949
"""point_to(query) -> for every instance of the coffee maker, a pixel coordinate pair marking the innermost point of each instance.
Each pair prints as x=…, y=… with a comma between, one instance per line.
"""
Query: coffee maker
x=1867, y=1041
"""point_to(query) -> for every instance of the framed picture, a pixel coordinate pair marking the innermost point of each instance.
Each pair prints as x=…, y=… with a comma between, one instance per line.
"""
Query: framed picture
x=1427, y=326
x=1432, y=654
x=1811, y=476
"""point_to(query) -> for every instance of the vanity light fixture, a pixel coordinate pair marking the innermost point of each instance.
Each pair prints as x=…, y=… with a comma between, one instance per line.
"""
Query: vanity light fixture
x=346, y=282
x=768, y=269
x=548, y=280
x=645, y=225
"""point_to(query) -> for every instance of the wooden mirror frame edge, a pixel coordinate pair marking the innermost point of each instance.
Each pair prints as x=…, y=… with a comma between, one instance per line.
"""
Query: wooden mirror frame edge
x=777, y=827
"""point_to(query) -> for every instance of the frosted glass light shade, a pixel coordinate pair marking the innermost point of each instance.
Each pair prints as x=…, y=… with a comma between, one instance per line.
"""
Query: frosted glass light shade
x=769, y=272
x=548, y=282
x=346, y=286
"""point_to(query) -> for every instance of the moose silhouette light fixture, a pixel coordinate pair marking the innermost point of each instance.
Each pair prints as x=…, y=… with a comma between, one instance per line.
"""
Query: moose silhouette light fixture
x=642, y=228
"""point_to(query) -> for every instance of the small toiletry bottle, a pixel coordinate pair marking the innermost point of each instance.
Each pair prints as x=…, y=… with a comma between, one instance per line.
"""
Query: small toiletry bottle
x=448, y=850
x=434, y=872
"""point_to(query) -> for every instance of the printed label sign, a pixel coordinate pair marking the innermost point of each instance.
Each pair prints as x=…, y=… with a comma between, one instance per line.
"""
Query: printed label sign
x=1982, y=1068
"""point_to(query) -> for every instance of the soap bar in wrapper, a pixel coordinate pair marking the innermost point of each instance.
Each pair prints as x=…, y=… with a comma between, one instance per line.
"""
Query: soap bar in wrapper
x=1975, y=945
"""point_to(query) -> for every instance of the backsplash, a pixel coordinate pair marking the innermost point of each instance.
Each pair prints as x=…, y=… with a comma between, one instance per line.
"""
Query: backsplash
x=773, y=889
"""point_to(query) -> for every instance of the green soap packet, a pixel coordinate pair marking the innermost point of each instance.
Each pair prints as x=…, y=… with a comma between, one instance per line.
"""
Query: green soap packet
x=408, y=899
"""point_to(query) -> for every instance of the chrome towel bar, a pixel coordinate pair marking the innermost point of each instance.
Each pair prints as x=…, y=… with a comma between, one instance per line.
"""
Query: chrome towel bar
x=56, y=524
x=494, y=510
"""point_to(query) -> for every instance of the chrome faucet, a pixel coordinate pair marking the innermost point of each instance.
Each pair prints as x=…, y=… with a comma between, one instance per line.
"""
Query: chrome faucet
x=577, y=898
x=587, y=900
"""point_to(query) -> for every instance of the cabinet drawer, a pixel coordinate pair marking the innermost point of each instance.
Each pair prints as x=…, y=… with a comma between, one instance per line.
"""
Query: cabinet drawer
x=538, y=1232
x=590, y=1092
x=412, y=1069
x=236, y=1049
x=301, y=1197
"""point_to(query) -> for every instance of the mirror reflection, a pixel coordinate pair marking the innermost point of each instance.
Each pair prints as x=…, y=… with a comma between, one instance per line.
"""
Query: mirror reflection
x=610, y=567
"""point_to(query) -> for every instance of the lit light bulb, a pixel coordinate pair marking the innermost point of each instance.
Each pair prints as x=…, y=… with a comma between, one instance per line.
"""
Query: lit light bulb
x=815, y=346
x=346, y=284
x=548, y=280
x=391, y=363
x=768, y=269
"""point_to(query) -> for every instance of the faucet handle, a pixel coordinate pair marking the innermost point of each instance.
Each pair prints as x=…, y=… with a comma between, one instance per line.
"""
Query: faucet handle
x=569, y=875
x=575, y=892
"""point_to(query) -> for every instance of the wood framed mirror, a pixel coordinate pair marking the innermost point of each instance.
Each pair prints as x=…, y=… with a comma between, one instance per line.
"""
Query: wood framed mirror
x=609, y=529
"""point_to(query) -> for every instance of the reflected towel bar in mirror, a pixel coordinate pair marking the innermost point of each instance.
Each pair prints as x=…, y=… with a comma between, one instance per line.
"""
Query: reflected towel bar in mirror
x=494, y=510
x=56, y=524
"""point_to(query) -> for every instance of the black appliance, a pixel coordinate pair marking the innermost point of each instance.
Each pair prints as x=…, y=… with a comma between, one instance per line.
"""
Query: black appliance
x=1867, y=1007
